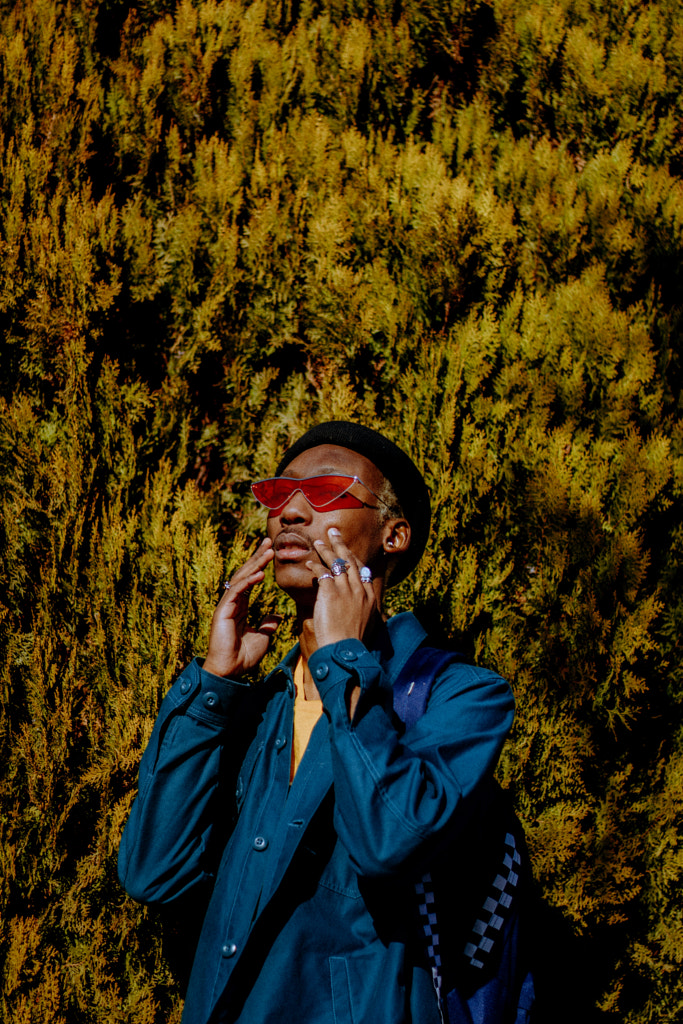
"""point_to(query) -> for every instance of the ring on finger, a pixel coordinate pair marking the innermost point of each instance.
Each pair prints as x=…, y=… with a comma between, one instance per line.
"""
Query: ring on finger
x=365, y=574
x=325, y=576
x=339, y=566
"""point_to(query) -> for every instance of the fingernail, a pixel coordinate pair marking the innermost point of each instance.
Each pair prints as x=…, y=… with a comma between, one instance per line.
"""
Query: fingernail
x=317, y=542
x=334, y=532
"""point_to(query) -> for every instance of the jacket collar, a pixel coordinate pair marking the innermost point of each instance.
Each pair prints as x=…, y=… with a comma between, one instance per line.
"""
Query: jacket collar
x=392, y=644
x=401, y=635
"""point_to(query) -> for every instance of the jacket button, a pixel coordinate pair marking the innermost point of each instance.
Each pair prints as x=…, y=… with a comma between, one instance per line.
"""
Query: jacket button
x=280, y=742
x=185, y=685
x=260, y=843
x=229, y=949
x=348, y=655
x=210, y=699
x=321, y=671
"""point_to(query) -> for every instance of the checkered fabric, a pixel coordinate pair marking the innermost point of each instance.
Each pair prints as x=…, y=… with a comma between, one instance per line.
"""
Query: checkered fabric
x=427, y=909
x=410, y=697
x=487, y=927
x=496, y=907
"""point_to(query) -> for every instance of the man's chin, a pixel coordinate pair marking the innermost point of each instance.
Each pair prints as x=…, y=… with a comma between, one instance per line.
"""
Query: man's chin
x=294, y=578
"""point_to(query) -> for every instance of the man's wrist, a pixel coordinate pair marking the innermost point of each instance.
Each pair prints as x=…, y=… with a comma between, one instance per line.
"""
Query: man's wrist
x=225, y=666
x=334, y=663
x=214, y=667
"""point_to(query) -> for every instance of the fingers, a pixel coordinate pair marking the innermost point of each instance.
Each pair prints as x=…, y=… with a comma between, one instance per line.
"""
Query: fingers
x=269, y=625
x=256, y=562
x=355, y=579
x=320, y=571
x=344, y=605
x=257, y=641
x=234, y=647
x=253, y=571
x=335, y=551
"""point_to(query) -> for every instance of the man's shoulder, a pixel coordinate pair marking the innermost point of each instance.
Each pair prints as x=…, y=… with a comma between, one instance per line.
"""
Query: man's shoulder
x=414, y=650
x=428, y=674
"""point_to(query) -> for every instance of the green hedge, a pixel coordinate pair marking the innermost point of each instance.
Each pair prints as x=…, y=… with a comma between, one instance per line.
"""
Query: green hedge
x=459, y=221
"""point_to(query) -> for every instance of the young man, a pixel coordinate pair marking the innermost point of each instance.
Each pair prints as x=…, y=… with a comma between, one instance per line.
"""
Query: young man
x=297, y=807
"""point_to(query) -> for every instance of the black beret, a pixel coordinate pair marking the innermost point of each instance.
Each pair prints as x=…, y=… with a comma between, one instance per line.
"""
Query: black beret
x=400, y=470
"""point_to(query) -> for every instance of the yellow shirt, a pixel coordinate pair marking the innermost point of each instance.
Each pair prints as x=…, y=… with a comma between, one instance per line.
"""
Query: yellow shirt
x=306, y=714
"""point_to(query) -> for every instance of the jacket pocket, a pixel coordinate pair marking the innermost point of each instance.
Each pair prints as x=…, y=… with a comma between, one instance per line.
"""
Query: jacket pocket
x=341, y=991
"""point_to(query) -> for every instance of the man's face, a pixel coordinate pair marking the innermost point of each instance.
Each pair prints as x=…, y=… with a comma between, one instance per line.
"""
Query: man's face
x=295, y=526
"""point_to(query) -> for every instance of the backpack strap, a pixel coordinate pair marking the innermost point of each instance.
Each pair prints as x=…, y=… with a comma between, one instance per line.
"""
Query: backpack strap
x=411, y=691
x=414, y=682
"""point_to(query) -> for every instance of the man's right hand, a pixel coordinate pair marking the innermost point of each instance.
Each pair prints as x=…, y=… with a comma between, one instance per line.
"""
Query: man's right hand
x=234, y=648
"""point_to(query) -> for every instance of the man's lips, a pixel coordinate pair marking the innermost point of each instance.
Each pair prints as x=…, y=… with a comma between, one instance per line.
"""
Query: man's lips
x=290, y=547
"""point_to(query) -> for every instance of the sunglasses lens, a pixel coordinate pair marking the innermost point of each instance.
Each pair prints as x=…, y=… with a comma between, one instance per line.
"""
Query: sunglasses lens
x=326, y=491
x=272, y=493
x=321, y=492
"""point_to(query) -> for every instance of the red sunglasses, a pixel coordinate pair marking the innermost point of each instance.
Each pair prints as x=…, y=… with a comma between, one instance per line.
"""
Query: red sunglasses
x=323, y=493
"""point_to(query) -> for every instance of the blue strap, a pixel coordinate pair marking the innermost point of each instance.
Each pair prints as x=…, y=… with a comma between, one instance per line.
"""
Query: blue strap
x=411, y=692
x=414, y=683
x=489, y=1002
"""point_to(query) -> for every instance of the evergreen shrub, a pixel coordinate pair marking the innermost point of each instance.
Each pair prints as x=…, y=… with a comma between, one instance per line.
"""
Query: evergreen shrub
x=221, y=222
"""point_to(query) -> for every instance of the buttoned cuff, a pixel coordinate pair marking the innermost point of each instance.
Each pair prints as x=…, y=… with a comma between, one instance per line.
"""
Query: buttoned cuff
x=334, y=665
x=204, y=696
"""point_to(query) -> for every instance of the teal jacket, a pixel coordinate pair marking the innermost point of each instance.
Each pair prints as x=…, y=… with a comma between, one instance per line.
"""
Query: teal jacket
x=308, y=888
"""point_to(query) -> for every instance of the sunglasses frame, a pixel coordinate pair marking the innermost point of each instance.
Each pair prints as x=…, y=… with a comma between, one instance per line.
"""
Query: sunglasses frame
x=298, y=481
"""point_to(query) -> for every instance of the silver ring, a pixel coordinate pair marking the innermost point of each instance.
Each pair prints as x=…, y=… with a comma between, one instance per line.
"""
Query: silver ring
x=325, y=576
x=365, y=575
x=338, y=567
x=226, y=585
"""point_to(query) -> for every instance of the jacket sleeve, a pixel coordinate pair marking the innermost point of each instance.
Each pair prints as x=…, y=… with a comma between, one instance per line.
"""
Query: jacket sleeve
x=167, y=845
x=398, y=798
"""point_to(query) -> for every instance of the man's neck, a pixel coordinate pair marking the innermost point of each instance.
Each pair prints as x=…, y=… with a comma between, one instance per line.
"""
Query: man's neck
x=307, y=645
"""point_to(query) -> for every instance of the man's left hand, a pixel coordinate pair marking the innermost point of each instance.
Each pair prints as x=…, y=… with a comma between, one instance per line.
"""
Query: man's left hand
x=345, y=607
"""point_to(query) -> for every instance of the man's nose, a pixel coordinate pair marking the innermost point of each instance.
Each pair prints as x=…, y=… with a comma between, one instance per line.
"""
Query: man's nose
x=295, y=510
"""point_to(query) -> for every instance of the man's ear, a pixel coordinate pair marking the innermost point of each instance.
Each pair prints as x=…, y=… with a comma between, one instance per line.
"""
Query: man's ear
x=397, y=534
